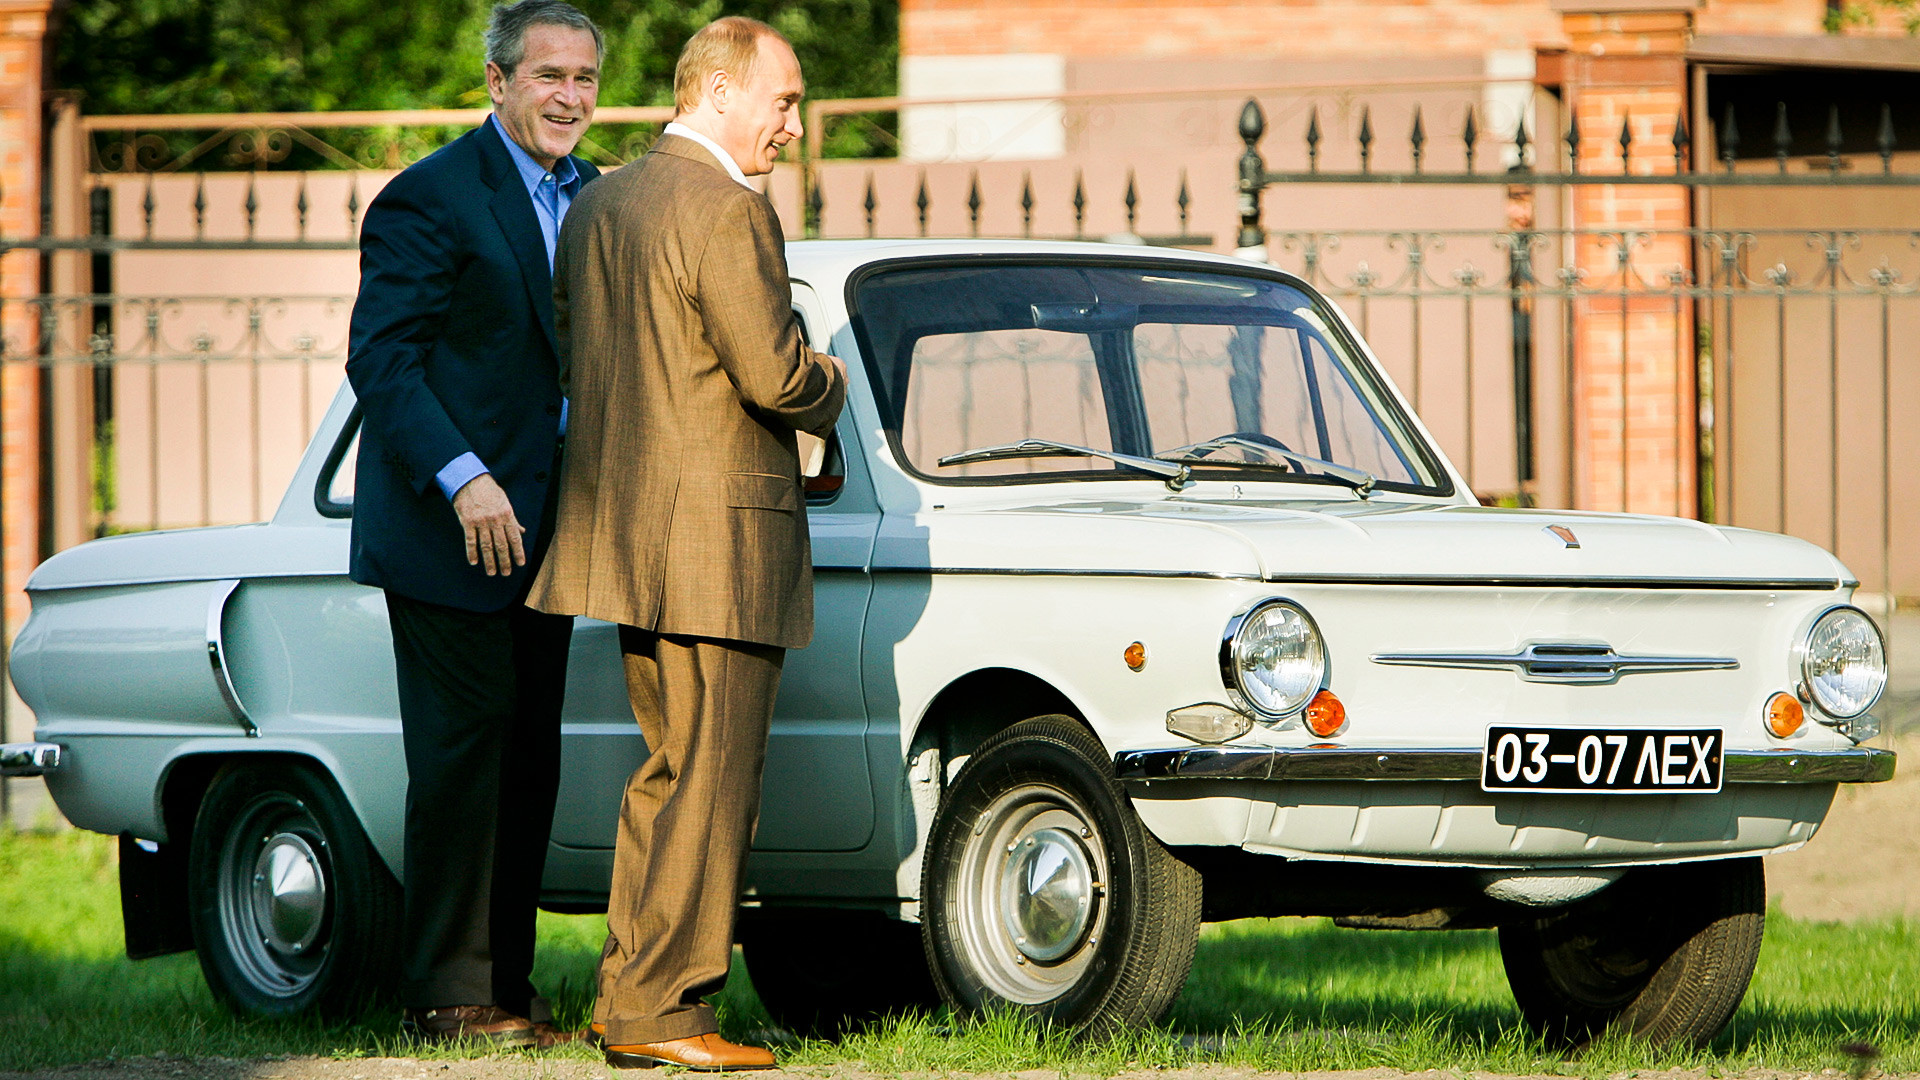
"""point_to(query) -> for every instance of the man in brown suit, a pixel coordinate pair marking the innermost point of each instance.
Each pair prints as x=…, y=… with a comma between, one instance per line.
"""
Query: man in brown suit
x=681, y=515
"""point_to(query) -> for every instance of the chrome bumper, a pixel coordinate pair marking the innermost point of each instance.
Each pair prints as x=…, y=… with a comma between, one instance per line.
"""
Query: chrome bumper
x=30, y=758
x=1859, y=765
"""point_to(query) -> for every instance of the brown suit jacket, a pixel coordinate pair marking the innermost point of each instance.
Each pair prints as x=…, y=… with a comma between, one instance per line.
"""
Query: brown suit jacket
x=680, y=504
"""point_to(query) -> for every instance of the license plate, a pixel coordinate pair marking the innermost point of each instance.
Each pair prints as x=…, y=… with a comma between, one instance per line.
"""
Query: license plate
x=1587, y=759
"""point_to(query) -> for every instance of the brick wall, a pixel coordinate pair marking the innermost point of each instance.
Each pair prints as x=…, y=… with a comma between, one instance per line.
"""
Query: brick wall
x=1633, y=379
x=22, y=30
x=1302, y=29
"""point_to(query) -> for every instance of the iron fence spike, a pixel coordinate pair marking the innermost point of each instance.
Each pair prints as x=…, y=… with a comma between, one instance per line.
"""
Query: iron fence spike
x=1835, y=140
x=1520, y=143
x=1470, y=135
x=1026, y=202
x=200, y=204
x=1886, y=138
x=1626, y=142
x=1366, y=138
x=147, y=206
x=1573, y=139
x=870, y=204
x=1313, y=140
x=1253, y=122
x=252, y=204
x=1183, y=200
x=973, y=202
x=353, y=205
x=1782, y=137
x=1079, y=204
x=1682, y=141
x=300, y=205
x=1418, y=138
x=816, y=207
x=1729, y=138
x=921, y=201
x=1132, y=201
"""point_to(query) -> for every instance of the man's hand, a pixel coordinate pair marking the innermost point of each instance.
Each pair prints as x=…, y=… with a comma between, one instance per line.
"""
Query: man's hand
x=839, y=365
x=493, y=533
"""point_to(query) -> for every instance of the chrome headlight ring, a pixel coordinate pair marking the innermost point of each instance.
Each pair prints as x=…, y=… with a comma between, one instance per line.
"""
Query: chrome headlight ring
x=1273, y=658
x=1841, y=661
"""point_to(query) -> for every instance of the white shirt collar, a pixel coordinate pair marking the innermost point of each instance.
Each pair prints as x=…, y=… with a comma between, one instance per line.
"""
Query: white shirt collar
x=726, y=159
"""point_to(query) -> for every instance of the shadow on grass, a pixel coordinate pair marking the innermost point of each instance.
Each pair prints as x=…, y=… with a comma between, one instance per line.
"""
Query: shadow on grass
x=61, y=1006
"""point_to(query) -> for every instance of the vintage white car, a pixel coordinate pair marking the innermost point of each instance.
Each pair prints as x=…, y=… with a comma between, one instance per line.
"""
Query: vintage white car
x=1143, y=600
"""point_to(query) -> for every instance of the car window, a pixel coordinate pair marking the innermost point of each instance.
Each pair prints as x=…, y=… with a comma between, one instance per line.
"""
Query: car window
x=1145, y=359
x=999, y=386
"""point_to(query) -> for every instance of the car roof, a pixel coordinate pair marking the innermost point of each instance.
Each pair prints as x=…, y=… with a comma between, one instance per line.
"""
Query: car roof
x=820, y=262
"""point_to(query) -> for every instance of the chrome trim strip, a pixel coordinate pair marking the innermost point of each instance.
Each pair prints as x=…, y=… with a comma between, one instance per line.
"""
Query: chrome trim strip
x=1859, y=765
x=1744, y=584
x=1571, y=662
x=987, y=571
x=223, y=591
x=31, y=758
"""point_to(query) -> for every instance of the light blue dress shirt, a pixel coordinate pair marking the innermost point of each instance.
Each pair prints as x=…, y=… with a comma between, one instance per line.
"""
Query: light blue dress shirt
x=552, y=194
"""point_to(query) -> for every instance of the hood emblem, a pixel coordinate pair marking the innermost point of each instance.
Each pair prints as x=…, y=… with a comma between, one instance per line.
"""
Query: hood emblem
x=1565, y=534
x=1580, y=663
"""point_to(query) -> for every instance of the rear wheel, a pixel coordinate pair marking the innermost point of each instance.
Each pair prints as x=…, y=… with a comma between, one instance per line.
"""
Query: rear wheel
x=1042, y=889
x=825, y=973
x=1664, y=955
x=292, y=909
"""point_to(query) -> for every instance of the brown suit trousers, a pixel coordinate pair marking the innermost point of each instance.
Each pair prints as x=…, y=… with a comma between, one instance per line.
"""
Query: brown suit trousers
x=685, y=825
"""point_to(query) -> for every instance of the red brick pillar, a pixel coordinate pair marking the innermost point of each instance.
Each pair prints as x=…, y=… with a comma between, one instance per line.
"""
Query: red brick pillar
x=23, y=26
x=1633, y=356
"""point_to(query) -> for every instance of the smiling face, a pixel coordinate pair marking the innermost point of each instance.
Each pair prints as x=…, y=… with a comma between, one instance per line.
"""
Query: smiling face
x=760, y=116
x=547, y=103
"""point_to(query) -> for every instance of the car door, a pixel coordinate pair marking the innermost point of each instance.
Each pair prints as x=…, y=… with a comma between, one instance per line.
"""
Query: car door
x=817, y=795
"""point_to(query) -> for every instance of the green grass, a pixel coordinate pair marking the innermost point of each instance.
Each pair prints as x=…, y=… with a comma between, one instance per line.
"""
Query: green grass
x=1284, y=994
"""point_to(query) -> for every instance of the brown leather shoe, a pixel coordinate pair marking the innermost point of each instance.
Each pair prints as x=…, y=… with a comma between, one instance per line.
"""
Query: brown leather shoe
x=701, y=1053
x=452, y=1023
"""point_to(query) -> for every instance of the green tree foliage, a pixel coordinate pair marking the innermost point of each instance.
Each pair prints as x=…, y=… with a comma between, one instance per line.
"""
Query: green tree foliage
x=174, y=56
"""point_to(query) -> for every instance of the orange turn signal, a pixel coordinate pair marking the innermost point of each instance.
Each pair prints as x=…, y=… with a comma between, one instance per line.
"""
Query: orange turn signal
x=1135, y=656
x=1784, y=714
x=1325, y=715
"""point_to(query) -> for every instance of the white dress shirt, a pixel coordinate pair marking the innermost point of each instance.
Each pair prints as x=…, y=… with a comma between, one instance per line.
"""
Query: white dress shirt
x=726, y=159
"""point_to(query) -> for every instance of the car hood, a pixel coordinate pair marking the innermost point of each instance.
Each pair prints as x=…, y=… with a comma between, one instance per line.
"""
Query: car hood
x=1348, y=540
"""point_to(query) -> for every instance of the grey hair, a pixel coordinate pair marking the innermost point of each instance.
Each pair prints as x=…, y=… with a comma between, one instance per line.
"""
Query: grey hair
x=506, y=36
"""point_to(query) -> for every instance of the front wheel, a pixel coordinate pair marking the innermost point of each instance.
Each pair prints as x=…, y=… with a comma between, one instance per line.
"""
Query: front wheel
x=292, y=909
x=1665, y=955
x=1043, y=891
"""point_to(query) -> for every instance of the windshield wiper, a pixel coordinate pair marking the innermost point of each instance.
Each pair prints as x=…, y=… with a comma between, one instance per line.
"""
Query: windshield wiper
x=1174, y=473
x=1359, y=480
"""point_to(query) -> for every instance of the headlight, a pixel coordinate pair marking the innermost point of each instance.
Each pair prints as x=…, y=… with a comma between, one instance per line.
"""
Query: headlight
x=1274, y=656
x=1844, y=665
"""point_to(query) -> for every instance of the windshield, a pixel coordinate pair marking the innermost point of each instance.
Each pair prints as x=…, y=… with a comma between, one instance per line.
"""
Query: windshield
x=1233, y=375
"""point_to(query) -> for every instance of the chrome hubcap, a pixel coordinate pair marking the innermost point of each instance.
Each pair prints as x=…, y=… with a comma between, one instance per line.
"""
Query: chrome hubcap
x=1029, y=904
x=276, y=917
x=1046, y=894
x=289, y=893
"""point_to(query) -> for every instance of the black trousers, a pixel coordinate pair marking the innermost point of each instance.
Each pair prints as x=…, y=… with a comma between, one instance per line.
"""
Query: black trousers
x=480, y=697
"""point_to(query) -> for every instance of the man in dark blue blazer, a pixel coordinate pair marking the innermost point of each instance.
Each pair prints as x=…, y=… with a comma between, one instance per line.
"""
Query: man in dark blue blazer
x=452, y=356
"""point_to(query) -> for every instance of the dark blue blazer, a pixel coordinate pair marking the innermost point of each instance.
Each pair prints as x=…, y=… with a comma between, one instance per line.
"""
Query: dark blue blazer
x=452, y=350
